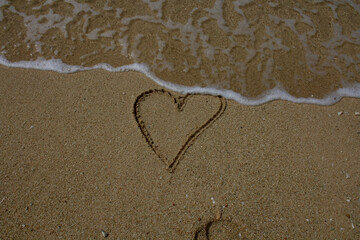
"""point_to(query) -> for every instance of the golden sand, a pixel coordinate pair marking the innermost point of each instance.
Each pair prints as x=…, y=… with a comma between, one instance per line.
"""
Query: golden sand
x=76, y=165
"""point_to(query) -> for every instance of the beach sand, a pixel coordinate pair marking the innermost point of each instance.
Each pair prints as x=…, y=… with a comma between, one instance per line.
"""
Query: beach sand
x=76, y=165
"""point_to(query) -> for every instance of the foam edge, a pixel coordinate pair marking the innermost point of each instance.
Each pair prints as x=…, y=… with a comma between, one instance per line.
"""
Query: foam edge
x=277, y=93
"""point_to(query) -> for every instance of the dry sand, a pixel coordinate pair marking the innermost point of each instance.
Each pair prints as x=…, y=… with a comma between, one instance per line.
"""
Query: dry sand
x=74, y=162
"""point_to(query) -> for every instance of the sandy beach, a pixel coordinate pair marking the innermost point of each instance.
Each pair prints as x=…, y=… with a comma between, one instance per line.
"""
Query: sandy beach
x=76, y=165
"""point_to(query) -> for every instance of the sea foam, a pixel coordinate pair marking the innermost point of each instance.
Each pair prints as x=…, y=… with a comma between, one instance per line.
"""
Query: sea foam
x=277, y=93
x=249, y=51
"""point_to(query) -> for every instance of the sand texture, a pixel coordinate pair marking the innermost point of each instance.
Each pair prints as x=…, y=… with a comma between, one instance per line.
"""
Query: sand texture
x=97, y=154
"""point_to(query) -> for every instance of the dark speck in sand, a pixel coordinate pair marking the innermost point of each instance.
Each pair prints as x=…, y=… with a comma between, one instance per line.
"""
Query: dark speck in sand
x=105, y=234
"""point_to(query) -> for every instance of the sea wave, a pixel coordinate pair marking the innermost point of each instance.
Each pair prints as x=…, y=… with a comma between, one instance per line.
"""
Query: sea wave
x=250, y=51
x=277, y=93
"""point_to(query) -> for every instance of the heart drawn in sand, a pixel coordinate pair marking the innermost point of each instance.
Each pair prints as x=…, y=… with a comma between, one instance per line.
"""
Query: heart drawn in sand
x=171, y=124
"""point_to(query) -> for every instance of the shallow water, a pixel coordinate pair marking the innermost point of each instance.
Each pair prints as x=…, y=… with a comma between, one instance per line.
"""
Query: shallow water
x=251, y=51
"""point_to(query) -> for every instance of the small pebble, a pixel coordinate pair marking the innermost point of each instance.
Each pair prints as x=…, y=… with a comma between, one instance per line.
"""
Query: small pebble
x=347, y=175
x=357, y=113
x=105, y=234
x=218, y=214
x=340, y=113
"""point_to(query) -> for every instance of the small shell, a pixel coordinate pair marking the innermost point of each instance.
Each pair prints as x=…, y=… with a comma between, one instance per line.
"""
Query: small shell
x=105, y=234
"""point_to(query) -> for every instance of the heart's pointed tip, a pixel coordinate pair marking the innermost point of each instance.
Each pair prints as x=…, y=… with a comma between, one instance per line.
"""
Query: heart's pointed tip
x=171, y=169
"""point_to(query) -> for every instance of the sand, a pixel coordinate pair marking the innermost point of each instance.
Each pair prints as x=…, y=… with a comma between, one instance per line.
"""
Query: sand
x=76, y=165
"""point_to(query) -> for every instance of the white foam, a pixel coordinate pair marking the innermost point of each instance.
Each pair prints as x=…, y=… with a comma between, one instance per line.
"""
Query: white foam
x=88, y=55
x=277, y=93
x=197, y=43
x=119, y=12
x=2, y=3
x=81, y=7
x=242, y=2
x=49, y=2
x=36, y=26
x=108, y=34
x=124, y=45
x=94, y=34
x=155, y=6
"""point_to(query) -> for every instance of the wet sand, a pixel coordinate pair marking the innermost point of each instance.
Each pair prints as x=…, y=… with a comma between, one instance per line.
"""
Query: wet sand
x=307, y=49
x=74, y=162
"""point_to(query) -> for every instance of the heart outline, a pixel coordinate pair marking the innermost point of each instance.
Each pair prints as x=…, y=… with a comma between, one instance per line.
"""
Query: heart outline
x=180, y=103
